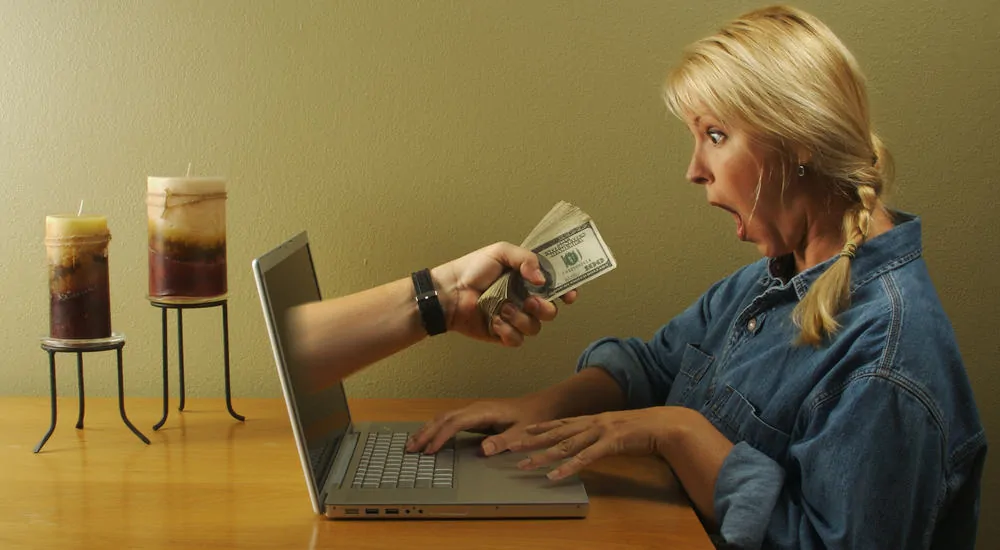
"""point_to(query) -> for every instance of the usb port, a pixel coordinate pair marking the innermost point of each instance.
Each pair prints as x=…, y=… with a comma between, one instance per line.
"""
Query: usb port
x=350, y=511
x=392, y=511
x=371, y=511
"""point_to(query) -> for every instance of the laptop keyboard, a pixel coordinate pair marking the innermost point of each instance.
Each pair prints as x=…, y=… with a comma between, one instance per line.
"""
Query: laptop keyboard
x=385, y=464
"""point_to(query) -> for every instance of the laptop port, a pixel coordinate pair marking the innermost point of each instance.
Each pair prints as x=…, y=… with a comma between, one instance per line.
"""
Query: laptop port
x=392, y=511
x=371, y=511
x=350, y=511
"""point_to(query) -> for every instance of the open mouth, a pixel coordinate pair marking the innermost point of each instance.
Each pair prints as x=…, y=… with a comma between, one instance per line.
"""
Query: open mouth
x=741, y=231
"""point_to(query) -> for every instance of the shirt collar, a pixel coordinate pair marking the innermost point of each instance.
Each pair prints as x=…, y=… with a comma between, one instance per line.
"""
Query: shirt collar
x=886, y=252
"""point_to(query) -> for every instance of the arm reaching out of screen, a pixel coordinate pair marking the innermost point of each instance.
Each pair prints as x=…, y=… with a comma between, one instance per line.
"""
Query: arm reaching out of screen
x=339, y=336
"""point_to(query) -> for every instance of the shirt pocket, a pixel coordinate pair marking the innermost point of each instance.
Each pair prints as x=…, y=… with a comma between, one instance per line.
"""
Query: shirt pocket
x=694, y=365
x=741, y=421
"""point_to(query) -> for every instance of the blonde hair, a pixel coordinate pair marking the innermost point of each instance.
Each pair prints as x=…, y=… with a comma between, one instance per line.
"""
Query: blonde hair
x=785, y=78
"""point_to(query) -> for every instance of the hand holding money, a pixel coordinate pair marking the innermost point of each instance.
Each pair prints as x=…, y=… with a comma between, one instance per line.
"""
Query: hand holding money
x=571, y=252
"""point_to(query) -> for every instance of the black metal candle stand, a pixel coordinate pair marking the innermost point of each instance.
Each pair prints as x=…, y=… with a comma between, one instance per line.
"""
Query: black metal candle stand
x=180, y=306
x=79, y=347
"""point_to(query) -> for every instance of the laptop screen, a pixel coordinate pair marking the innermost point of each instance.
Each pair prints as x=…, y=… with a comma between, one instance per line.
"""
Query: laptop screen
x=289, y=279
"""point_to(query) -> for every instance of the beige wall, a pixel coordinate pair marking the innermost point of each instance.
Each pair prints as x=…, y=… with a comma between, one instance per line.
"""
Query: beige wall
x=401, y=134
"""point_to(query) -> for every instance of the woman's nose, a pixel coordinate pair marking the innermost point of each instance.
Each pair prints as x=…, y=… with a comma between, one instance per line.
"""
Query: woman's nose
x=697, y=172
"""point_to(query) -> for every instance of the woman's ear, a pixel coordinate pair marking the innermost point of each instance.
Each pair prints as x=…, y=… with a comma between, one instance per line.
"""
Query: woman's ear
x=803, y=156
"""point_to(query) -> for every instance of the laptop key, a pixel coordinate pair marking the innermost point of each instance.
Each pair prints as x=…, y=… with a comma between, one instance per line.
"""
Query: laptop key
x=445, y=458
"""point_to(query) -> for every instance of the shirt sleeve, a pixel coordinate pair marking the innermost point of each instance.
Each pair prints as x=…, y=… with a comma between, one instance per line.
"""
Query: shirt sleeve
x=869, y=471
x=645, y=371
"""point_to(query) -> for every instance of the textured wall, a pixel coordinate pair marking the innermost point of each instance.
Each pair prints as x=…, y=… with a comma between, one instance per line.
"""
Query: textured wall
x=401, y=134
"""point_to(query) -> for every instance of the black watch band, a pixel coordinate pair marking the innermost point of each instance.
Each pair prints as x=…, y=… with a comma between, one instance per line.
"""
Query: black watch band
x=431, y=312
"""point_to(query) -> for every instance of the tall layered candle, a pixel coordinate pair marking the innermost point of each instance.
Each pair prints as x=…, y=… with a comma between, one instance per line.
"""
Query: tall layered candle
x=187, y=237
x=79, y=294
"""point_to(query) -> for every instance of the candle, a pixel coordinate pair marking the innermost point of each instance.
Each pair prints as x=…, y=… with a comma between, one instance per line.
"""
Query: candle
x=187, y=238
x=79, y=295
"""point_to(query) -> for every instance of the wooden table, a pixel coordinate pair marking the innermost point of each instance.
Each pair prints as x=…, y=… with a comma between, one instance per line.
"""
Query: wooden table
x=208, y=481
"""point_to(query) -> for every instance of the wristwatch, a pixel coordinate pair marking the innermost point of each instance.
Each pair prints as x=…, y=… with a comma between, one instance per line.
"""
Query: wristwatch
x=431, y=312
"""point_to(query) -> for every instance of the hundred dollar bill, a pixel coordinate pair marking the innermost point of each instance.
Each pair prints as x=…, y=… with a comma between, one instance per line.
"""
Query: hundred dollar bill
x=571, y=252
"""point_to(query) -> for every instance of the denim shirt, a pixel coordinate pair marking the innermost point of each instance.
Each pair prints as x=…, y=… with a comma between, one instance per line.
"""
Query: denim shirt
x=872, y=440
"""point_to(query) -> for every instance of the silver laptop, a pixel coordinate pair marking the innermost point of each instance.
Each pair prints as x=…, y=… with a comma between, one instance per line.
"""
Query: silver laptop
x=360, y=470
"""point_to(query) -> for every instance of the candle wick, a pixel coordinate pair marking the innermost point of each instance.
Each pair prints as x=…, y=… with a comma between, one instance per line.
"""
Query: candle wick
x=189, y=170
x=79, y=212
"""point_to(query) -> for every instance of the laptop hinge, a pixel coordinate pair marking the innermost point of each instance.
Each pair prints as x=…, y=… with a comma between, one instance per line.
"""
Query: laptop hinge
x=341, y=462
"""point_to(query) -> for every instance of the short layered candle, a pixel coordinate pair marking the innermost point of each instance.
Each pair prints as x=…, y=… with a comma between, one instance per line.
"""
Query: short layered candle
x=187, y=237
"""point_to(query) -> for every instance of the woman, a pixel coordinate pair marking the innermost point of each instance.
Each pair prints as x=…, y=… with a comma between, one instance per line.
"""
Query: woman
x=813, y=399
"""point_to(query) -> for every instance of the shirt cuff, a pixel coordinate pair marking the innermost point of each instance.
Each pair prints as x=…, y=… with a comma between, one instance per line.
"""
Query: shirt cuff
x=621, y=363
x=746, y=493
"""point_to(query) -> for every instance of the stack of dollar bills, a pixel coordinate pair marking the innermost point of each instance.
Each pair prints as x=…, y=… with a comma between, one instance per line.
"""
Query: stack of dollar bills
x=571, y=252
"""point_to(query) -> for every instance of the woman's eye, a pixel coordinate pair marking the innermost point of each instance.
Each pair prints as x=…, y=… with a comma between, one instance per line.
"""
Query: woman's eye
x=716, y=136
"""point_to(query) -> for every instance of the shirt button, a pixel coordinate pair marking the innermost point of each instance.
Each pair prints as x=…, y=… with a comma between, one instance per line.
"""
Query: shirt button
x=752, y=324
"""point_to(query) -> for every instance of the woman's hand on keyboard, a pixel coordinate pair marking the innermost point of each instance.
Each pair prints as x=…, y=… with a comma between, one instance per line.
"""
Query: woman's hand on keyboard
x=584, y=439
x=506, y=418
